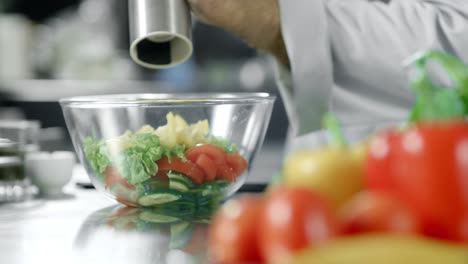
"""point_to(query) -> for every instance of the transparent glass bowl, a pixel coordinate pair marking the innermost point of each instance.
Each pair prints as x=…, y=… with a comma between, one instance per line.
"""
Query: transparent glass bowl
x=168, y=150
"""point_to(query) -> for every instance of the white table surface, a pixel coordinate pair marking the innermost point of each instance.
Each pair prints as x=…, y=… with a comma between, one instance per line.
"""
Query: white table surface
x=46, y=231
x=43, y=231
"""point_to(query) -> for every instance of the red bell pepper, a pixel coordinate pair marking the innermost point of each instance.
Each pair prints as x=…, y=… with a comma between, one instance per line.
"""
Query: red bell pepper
x=425, y=164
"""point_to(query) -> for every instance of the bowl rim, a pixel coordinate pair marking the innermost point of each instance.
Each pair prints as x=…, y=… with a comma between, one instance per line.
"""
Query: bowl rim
x=176, y=99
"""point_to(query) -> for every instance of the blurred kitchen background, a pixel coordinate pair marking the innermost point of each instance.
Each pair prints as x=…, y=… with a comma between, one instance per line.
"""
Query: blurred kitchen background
x=51, y=49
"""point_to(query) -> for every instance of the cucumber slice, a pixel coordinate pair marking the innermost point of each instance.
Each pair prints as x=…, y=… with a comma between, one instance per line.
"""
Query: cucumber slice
x=181, y=233
x=121, y=192
x=176, y=184
x=162, y=197
x=152, y=217
x=151, y=185
x=183, y=210
x=172, y=175
x=203, y=221
x=221, y=183
x=178, y=228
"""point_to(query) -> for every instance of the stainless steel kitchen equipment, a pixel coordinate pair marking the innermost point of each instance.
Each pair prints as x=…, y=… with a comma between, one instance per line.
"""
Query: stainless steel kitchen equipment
x=160, y=32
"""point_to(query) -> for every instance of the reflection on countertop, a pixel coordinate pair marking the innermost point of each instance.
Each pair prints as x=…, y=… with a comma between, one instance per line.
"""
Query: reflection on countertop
x=133, y=235
x=86, y=227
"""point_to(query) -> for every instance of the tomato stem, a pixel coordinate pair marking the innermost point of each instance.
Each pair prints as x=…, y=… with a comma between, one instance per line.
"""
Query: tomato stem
x=332, y=125
x=435, y=102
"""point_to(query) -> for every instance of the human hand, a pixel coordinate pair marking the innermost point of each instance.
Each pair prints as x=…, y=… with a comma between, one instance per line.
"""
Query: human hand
x=257, y=22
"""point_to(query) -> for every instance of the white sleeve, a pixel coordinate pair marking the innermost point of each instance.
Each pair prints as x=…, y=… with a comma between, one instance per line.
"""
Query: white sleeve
x=350, y=51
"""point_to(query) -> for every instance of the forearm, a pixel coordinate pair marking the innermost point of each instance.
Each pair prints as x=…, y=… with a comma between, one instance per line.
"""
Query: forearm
x=257, y=22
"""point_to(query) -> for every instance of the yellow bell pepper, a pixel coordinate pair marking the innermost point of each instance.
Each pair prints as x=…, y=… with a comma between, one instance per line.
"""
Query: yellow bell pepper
x=335, y=170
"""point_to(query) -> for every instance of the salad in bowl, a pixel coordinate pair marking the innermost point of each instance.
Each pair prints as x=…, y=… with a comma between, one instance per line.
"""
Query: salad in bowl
x=153, y=151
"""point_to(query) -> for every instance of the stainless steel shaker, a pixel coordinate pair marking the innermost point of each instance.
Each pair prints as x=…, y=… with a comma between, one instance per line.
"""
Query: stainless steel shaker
x=161, y=32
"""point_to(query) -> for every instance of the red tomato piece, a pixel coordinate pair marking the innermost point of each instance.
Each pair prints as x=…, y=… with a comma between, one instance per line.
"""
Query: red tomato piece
x=126, y=202
x=236, y=162
x=112, y=175
x=232, y=237
x=122, y=211
x=208, y=166
x=188, y=168
x=226, y=173
x=292, y=219
x=378, y=212
x=214, y=152
x=161, y=175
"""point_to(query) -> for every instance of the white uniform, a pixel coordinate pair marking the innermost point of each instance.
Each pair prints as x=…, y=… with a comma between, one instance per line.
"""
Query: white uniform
x=346, y=56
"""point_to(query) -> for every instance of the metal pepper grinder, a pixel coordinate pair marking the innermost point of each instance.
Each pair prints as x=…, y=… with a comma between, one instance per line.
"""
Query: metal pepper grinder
x=160, y=32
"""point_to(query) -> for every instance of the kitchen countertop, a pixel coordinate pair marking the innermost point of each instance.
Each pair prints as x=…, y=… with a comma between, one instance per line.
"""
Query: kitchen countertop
x=82, y=227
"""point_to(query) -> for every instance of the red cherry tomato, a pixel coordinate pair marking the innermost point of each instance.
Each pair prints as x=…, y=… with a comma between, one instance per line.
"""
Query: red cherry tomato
x=188, y=168
x=294, y=218
x=232, y=237
x=378, y=212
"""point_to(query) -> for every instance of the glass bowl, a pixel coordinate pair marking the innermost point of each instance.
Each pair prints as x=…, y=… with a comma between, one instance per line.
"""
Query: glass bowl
x=149, y=150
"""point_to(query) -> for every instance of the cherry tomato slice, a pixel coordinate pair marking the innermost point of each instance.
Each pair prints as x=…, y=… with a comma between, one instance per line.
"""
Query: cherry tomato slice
x=208, y=166
x=214, y=152
x=236, y=162
x=112, y=175
x=226, y=173
x=188, y=168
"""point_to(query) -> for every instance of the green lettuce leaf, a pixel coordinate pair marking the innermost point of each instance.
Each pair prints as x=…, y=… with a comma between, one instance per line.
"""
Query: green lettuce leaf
x=136, y=162
x=96, y=154
x=134, y=157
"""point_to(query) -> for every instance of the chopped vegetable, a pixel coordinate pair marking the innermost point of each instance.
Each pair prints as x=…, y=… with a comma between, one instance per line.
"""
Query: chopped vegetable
x=161, y=197
x=187, y=167
x=163, y=164
x=150, y=216
x=96, y=154
x=177, y=131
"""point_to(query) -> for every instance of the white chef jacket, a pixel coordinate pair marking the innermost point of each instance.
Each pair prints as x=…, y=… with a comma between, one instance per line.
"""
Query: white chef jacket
x=346, y=57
